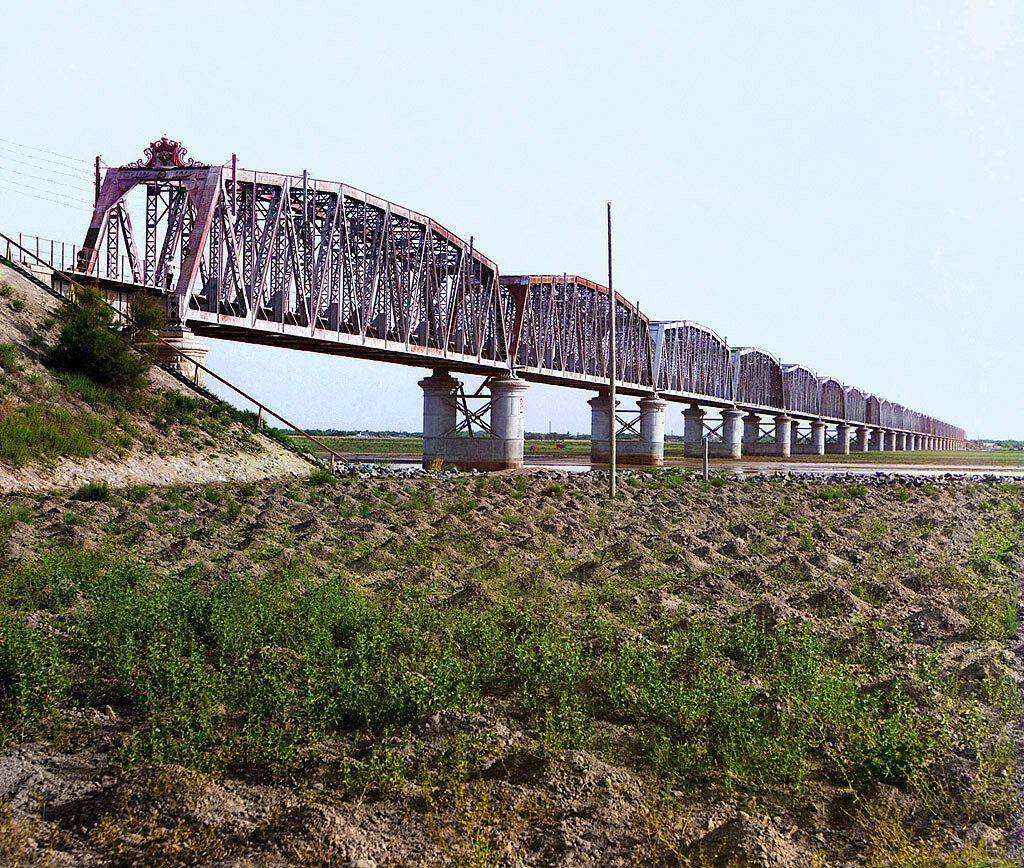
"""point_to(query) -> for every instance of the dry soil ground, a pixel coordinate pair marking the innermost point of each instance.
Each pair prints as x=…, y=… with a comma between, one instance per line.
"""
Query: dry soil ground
x=510, y=670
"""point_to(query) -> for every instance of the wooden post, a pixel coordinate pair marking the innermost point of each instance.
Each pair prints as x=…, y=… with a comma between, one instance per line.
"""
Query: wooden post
x=611, y=365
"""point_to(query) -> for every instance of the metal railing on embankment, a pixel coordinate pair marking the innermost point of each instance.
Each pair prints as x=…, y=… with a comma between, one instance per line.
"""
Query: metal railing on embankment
x=333, y=459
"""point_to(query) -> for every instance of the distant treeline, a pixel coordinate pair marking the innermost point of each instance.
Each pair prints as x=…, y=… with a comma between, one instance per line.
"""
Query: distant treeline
x=529, y=435
x=334, y=432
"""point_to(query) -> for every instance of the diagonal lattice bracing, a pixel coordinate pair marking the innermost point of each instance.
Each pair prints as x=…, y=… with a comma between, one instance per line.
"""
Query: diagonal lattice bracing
x=293, y=261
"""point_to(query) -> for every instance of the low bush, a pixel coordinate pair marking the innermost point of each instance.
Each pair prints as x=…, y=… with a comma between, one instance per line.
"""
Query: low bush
x=321, y=476
x=90, y=343
x=9, y=357
x=95, y=490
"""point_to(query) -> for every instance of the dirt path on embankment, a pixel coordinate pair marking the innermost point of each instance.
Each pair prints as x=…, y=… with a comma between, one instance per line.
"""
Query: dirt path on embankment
x=510, y=670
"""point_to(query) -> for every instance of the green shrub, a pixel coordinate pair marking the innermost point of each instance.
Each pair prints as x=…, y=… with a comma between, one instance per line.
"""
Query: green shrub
x=9, y=357
x=97, y=489
x=90, y=343
x=176, y=409
x=18, y=512
x=17, y=305
x=135, y=493
x=321, y=476
x=147, y=317
x=88, y=390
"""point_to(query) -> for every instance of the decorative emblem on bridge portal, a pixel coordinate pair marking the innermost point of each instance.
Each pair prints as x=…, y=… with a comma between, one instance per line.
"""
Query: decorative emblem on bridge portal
x=164, y=154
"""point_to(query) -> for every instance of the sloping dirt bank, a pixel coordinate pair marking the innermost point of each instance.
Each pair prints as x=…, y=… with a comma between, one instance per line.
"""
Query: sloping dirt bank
x=72, y=432
x=512, y=671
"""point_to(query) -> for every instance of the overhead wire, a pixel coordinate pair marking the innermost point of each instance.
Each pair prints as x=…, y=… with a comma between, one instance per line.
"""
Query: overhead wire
x=63, y=185
x=77, y=173
x=75, y=199
x=23, y=146
x=36, y=196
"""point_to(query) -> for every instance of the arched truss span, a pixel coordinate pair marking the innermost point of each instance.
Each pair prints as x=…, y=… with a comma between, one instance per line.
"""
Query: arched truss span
x=317, y=265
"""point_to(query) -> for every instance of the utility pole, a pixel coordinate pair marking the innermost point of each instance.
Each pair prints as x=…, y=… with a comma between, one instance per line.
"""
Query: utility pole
x=611, y=365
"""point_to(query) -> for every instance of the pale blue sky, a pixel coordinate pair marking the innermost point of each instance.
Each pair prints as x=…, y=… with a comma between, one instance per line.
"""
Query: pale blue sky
x=840, y=184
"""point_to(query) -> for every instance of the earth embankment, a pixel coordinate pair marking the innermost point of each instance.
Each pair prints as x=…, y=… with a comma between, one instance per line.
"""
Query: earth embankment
x=512, y=670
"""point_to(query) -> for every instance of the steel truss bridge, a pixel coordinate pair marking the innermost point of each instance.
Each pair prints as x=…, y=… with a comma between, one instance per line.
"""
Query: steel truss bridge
x=290, y=261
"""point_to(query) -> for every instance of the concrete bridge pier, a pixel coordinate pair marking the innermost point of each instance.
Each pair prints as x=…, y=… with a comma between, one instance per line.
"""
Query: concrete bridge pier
x=901, y=441
x=842, y=444
x=183, y=354
x=500, y=449
x=877, y=440
x=779, y=446
x=862, y=444
x=890, y=441
x=649, y=450
x=814, y=445
x=751, y=433
x=646, y=450
x=728, y=445
x=693, y=432
x=732, y=434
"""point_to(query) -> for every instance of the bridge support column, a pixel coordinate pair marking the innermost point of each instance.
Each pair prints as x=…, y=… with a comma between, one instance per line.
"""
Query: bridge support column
x=901, y=441
x=693, y=432
x=751, y=433
x=599, y=428
x=783, y=432
x=648, y=450
x=780, y=446
x=890, y=441
x=818, y=436
x=814, y=446
x=502, y=450
x=877, y=440
x=439, y=390
x=508, y=423
x=862, y=439
x=732, y=432
x=842, y=444
x=183, y=354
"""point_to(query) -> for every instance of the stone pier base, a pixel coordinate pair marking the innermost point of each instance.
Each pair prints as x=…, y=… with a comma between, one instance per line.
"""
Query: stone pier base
x=183, y=354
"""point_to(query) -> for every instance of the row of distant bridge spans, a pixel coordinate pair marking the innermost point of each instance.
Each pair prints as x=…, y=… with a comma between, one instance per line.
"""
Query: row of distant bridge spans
x=317, y=265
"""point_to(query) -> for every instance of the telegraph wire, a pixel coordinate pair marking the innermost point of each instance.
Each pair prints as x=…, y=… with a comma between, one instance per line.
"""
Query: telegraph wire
x=68, y=199
x=66, y=185
x=45, y=151
x=36, y=196
x=77, y=173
